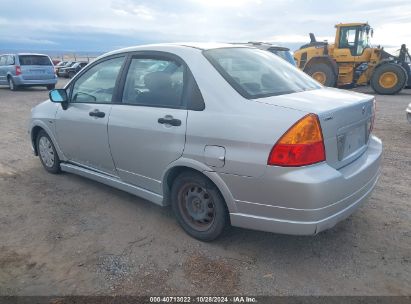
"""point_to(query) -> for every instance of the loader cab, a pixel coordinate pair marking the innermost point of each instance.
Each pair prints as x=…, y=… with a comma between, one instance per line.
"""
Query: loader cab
x=354, y=37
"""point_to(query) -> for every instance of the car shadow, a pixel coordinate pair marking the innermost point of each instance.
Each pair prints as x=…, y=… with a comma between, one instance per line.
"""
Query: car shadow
x=25, y=89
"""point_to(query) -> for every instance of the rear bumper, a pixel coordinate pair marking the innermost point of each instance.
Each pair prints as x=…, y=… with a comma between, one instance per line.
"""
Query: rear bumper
x=307, y=200
x=20, y=81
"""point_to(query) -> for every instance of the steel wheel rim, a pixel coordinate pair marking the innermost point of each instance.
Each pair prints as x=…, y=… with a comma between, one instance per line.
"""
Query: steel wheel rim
x=388, y=80
x=46, y=152
x=320, y=77
x=196, y=206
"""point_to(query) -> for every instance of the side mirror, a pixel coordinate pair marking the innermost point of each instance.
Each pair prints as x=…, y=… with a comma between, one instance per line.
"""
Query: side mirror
x=58, y=95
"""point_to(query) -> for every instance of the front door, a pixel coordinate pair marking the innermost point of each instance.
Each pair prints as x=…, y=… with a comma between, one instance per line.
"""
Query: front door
x=147, y=130
x=82, y=128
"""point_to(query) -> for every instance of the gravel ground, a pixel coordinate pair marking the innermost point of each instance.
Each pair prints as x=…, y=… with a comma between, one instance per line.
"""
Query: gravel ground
x=64, y=234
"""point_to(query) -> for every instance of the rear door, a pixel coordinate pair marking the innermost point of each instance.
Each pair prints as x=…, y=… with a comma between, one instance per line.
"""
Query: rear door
x=82, y=128
x=147, y=130
x=36, y=67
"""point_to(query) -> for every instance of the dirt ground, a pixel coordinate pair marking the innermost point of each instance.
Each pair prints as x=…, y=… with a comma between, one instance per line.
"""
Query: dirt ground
x=66, y=235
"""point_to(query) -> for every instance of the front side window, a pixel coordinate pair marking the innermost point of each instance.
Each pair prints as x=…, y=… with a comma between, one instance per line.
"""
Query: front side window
x=34, y=60
x=255, y=73
x=154, y=82
x=97, y=84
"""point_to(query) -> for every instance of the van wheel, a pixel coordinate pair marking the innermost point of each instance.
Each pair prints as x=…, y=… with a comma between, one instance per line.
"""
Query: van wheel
x=51, y=87
x=47, y=153
x=12, y=85
x=199, y=207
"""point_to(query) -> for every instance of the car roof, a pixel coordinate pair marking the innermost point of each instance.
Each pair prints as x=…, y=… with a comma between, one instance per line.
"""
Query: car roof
x=31, y=54
x=172, y=46
x=267, y=46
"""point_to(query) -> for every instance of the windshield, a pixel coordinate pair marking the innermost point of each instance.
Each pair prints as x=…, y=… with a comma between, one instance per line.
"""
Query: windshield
x=255, y=73
x=34, y=60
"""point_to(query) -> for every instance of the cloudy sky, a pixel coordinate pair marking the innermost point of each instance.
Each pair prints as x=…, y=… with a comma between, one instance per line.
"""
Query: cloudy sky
x=103, y=25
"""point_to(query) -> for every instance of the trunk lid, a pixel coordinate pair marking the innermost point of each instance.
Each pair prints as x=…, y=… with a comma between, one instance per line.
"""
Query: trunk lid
x=346, y=120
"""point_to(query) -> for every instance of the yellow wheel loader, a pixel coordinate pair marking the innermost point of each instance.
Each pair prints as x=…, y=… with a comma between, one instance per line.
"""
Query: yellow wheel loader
x=352, y=61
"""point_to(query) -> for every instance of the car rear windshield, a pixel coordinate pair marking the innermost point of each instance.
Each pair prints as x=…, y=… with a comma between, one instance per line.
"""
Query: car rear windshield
x=256, y=73
x=34, y=60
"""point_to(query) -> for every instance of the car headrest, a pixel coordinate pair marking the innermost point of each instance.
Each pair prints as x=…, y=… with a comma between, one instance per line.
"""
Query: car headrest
x=157, y=81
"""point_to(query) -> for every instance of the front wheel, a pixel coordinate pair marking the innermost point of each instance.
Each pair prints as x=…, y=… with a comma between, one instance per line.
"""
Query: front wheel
x=47, y=153
x=199, y=207
x=388, y=79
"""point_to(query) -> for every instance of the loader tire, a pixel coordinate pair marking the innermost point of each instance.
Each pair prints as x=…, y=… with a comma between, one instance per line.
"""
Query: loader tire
x=323, y=73
x=388, y=79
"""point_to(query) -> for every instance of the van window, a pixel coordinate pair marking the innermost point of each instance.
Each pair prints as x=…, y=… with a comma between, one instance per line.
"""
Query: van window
x=34, y=60
x=10, y=60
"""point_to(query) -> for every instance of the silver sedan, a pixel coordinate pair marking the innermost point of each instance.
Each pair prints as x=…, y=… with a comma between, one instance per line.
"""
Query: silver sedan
x=226, y=134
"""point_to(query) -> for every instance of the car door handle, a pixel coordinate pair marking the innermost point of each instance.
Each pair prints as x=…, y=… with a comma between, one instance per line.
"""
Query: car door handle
x=97, y=113
x=169, y=120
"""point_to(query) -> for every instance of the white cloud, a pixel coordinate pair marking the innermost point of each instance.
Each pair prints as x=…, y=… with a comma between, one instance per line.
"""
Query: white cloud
x=283, y=21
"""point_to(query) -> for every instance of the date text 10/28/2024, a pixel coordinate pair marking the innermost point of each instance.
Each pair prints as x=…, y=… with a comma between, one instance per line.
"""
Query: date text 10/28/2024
x=205, y=299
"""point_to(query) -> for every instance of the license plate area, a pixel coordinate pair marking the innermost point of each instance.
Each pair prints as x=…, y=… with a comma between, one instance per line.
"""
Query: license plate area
x=37, y=71
x=351, y=140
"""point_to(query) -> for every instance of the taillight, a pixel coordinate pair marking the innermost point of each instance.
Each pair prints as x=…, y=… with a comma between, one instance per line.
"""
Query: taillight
x=301, y=145
x=18, y=70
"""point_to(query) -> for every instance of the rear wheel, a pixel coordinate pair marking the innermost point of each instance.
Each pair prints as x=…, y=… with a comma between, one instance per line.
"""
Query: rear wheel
x=47, y=153
x=388, y=79
x=323, y=73
x=198, y=206
x=12, y=85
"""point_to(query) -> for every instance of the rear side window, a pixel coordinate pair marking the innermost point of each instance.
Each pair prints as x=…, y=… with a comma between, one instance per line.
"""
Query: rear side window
x=286, y=55
x=255, y=73
x=10, y=60
x=154, y=82
x=34, y=60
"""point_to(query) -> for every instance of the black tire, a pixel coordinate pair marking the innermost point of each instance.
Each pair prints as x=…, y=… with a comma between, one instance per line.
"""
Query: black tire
x=398, y=84
x=71, y=74
x=326, y=70
x=51, y=87
x=55, y=166
x=185, y=194
x=12, y=85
